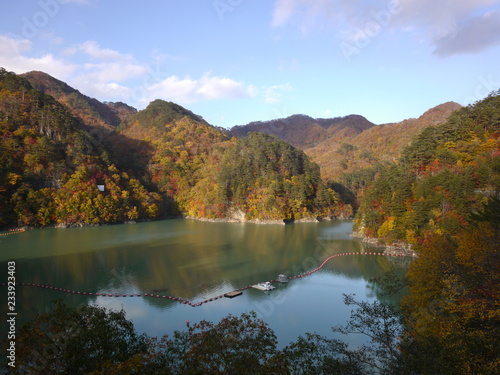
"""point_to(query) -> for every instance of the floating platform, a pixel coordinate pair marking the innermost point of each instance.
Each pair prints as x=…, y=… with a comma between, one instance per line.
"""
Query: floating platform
x=233, y=294
x=264, y=286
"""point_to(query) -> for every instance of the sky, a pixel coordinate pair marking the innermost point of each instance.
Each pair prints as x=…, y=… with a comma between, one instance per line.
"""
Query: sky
x=237, y=61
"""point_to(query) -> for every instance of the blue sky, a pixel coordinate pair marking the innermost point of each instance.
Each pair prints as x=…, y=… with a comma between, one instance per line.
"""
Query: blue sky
x=236, y=61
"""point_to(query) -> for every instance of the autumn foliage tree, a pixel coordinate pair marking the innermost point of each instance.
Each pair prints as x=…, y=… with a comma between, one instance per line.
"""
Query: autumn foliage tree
x=453, y=311
x=82, y=340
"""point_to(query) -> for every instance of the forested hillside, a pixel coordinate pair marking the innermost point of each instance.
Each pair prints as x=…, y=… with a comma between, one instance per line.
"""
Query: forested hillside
x=304, y=132
x=169, y=144
x=213, y=177
x=446, y=173
x=66, y=162
x=263, y=178
x=51, y=166
x=350, y=160
x=165, y=160
x=350, y=150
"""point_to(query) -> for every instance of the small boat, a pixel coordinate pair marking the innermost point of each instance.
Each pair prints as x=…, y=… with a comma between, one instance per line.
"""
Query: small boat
x=282, y=279
x=264, y=286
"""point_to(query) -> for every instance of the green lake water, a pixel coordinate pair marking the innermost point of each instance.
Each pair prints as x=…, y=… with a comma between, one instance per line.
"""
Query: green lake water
x=196, y=260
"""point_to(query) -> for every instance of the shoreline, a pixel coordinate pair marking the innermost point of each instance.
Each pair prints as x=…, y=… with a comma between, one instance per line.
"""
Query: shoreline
x=263, y=221
x=395, y=248
x=231, y=219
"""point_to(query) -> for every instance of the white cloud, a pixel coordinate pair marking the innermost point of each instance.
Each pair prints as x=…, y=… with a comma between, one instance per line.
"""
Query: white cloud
x=439, y=18
x=107, y=80
x=102, y=90
x=273, y=94
x=252, y=91
x=110, y=75
x=474, y=35
x=51, y=38
x=57, y=40
x=10, y=47
x=113, y=71
x=13, y=57
x=451, y=26
x=308, y=11
x=188, y=90
x=173, y=88
x=283, y=12
x=92, y=49
x=69, y=51
x=220, y=87
x=101, y=80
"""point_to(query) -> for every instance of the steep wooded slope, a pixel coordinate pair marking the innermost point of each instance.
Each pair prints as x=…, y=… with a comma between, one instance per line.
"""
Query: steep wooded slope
x=92, y=112
x=261, y=177
x=447, y=172
x=178, y=141
x=373, y=146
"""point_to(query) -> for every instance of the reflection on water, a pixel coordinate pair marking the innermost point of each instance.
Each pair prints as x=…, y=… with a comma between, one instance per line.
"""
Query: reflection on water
x=196, y=260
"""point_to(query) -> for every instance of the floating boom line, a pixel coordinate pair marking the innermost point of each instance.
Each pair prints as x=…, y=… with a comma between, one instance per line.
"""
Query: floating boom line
x=185, y=301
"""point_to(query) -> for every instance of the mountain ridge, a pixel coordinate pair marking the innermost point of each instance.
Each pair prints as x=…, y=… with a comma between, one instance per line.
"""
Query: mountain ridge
x=303, y=131
x=176, y=161
x=380, y=143
x=92, y=112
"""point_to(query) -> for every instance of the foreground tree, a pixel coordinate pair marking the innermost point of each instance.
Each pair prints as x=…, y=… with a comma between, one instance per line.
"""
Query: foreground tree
x=75, y=341
x=453, y=311
x=313, y=354
x=235, y=345
x=381, y=324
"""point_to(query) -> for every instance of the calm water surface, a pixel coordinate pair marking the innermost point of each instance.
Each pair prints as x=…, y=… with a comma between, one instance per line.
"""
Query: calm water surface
x=196, y=260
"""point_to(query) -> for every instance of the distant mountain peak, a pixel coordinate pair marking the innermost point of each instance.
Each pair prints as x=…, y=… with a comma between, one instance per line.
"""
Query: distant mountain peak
x=303, y=131
x=163, y=112
x=44, y=81
x=440, y=112
x=378, y=144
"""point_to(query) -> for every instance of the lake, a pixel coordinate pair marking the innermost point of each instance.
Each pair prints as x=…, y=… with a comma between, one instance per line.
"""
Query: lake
x=197, y=260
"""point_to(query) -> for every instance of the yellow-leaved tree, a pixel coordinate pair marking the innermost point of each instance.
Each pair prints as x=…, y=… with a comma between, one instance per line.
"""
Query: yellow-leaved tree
x=453, y=308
